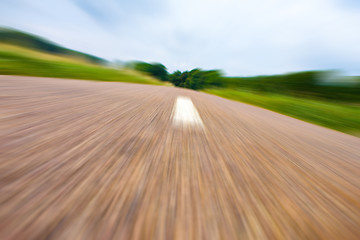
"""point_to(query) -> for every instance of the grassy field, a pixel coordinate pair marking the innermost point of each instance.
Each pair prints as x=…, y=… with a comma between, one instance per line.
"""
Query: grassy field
x=16, y=60
x=339, y=116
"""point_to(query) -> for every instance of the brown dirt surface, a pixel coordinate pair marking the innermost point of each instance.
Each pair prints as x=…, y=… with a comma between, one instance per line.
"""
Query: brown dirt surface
x=96, y=160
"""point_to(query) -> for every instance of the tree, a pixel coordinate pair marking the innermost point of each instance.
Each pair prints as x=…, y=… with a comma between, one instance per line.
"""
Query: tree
x=174, y=78
x=156, y=70
x=159, y=71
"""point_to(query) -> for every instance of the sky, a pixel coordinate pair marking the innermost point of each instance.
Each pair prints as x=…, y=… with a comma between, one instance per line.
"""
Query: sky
x=240, y=37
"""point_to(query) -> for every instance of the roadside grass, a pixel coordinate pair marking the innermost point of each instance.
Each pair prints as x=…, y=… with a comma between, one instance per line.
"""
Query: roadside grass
x=22, y=61
x=335, y=115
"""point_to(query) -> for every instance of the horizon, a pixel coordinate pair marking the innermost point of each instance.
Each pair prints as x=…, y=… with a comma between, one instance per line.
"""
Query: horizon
x=300, y=36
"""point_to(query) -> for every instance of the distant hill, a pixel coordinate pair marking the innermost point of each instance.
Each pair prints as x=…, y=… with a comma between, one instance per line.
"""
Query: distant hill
x=15, y=37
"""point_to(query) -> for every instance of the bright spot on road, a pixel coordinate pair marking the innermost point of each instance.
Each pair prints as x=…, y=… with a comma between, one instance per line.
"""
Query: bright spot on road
x=185, y=113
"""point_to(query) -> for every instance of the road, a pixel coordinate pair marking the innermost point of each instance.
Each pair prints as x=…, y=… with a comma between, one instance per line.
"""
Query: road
x=95, y=160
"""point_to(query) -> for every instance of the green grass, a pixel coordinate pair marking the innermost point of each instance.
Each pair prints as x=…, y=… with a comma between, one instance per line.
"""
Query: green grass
x=338, y=116
x=22, y=61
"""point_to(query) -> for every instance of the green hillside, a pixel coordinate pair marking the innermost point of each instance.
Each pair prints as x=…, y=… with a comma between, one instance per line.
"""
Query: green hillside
x=22, y=39
x=28, y=55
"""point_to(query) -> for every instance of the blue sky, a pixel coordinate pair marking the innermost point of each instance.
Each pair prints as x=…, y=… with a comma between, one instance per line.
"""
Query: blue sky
x=241, y=37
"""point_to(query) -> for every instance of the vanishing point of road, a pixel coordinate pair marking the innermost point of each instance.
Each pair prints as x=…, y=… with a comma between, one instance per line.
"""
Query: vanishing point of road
x=98, y=160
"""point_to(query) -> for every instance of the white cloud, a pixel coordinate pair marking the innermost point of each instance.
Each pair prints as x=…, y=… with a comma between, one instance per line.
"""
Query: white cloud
x=241, y=37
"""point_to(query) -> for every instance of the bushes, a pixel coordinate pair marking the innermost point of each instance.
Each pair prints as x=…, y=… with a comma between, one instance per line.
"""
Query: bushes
x=197, y=79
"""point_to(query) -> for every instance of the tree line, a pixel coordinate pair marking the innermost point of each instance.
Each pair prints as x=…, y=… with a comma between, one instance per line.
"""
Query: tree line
x=195, y=79
x=298, y=84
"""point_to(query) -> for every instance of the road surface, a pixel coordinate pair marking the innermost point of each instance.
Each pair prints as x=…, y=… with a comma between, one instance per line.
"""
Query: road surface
x=95, y=160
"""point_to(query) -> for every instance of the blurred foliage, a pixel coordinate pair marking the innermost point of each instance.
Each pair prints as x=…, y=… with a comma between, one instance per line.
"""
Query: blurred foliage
x=303, y=84
x=196, y=79
x=14, y=37
x=311, y=84
x=156, y=70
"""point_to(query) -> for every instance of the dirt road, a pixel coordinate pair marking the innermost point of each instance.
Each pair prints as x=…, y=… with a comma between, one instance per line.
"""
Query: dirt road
x=95, y=160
